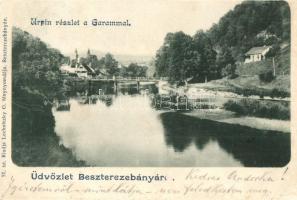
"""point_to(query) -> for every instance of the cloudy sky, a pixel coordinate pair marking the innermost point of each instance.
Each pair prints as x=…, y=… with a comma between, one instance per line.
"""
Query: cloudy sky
x=150, y=20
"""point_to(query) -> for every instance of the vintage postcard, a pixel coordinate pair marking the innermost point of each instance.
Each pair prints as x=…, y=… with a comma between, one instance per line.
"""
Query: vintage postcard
x=148, y=99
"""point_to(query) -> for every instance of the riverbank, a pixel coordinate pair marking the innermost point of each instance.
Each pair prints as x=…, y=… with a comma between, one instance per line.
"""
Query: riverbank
x=34, y=141
x=221, y=95
x=43, y=150
x=231, y=89
x=229, y=117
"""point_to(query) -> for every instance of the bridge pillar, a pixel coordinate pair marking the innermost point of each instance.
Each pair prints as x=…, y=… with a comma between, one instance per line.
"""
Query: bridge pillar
x=138, y=86
x=90, y=87
x=115, y=86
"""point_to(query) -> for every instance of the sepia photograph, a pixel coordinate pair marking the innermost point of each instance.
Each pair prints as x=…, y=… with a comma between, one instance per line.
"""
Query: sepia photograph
x=179, y=84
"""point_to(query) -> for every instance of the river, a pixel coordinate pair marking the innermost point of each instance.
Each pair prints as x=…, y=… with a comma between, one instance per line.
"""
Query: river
x=125, y=129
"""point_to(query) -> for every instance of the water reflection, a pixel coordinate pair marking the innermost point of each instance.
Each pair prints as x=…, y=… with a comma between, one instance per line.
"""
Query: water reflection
x=124, y=129
x=251, y=146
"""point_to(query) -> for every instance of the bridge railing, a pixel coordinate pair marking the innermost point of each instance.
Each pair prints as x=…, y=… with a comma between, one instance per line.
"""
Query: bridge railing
x=120, y=78
x=133, y=78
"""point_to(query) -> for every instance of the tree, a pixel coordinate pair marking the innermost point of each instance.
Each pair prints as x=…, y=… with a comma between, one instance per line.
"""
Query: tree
x=204, y=61
x=35, y=65
x=229, y=71
x=226, y=63
x=111, y=65
x=163, y=57
x=135, y=70
x=238, y=28
x=274, y=51
x=107, y=63
x=123, y=71
x=173, y=59
x=182, y=57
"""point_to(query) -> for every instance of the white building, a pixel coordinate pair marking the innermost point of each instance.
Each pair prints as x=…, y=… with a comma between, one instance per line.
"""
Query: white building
x=256, y=54
x=78, y=70
x=67, y=69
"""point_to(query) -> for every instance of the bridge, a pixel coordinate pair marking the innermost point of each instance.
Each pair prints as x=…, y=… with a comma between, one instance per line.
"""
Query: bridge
x=118, y=79
x=126, y=79
x=115, y=80
x=92, y=83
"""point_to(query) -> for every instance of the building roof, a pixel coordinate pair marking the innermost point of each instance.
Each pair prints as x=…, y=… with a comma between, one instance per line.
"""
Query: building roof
x=103, y=71
x=257, y=50
x=89, y=69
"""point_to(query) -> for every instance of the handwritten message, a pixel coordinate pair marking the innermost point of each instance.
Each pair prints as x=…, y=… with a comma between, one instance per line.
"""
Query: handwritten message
x=195, y=182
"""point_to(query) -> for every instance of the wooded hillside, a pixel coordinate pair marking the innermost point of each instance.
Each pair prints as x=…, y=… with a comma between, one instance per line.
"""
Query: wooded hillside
x=216, y=53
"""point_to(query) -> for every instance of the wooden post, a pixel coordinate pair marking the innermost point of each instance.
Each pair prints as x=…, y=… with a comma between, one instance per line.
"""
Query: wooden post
x=90, y=87
x=138, y=86
x=273, y=65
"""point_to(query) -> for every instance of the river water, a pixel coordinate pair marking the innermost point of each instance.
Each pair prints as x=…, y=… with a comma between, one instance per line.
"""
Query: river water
x=124, y=129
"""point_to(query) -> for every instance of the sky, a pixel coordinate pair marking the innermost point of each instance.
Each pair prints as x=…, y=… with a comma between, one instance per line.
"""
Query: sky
x=150, y=21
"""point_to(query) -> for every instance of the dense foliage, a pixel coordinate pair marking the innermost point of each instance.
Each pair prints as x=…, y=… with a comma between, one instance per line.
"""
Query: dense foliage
x=133, y=70
x=107, y=65
x=239, y=28
x=213, y=54
x=252, y=107
x=258, y=91
x=35, y=66
x=183, y=56
x=36, y=81
x=266, y=76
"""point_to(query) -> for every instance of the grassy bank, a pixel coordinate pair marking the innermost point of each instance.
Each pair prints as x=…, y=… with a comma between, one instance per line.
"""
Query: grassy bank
x=250, y=86
x=265, y=109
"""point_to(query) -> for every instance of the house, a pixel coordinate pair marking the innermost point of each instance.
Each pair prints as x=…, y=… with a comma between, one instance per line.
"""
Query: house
x=81, y=71
x=67, y=69
x=77, y=70
x=90, y=70
x=256, y=54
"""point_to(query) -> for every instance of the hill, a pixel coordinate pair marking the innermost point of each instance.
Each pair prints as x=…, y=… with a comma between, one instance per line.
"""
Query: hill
x=239, y=28
x=214, y=54
x=248, y=80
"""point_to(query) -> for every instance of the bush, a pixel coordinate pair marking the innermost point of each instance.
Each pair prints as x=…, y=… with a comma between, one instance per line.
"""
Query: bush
x=235, y=107
x=229, y=71
x=261, y=92
x=259, y=108
x=266, y=76
x=274, y=51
